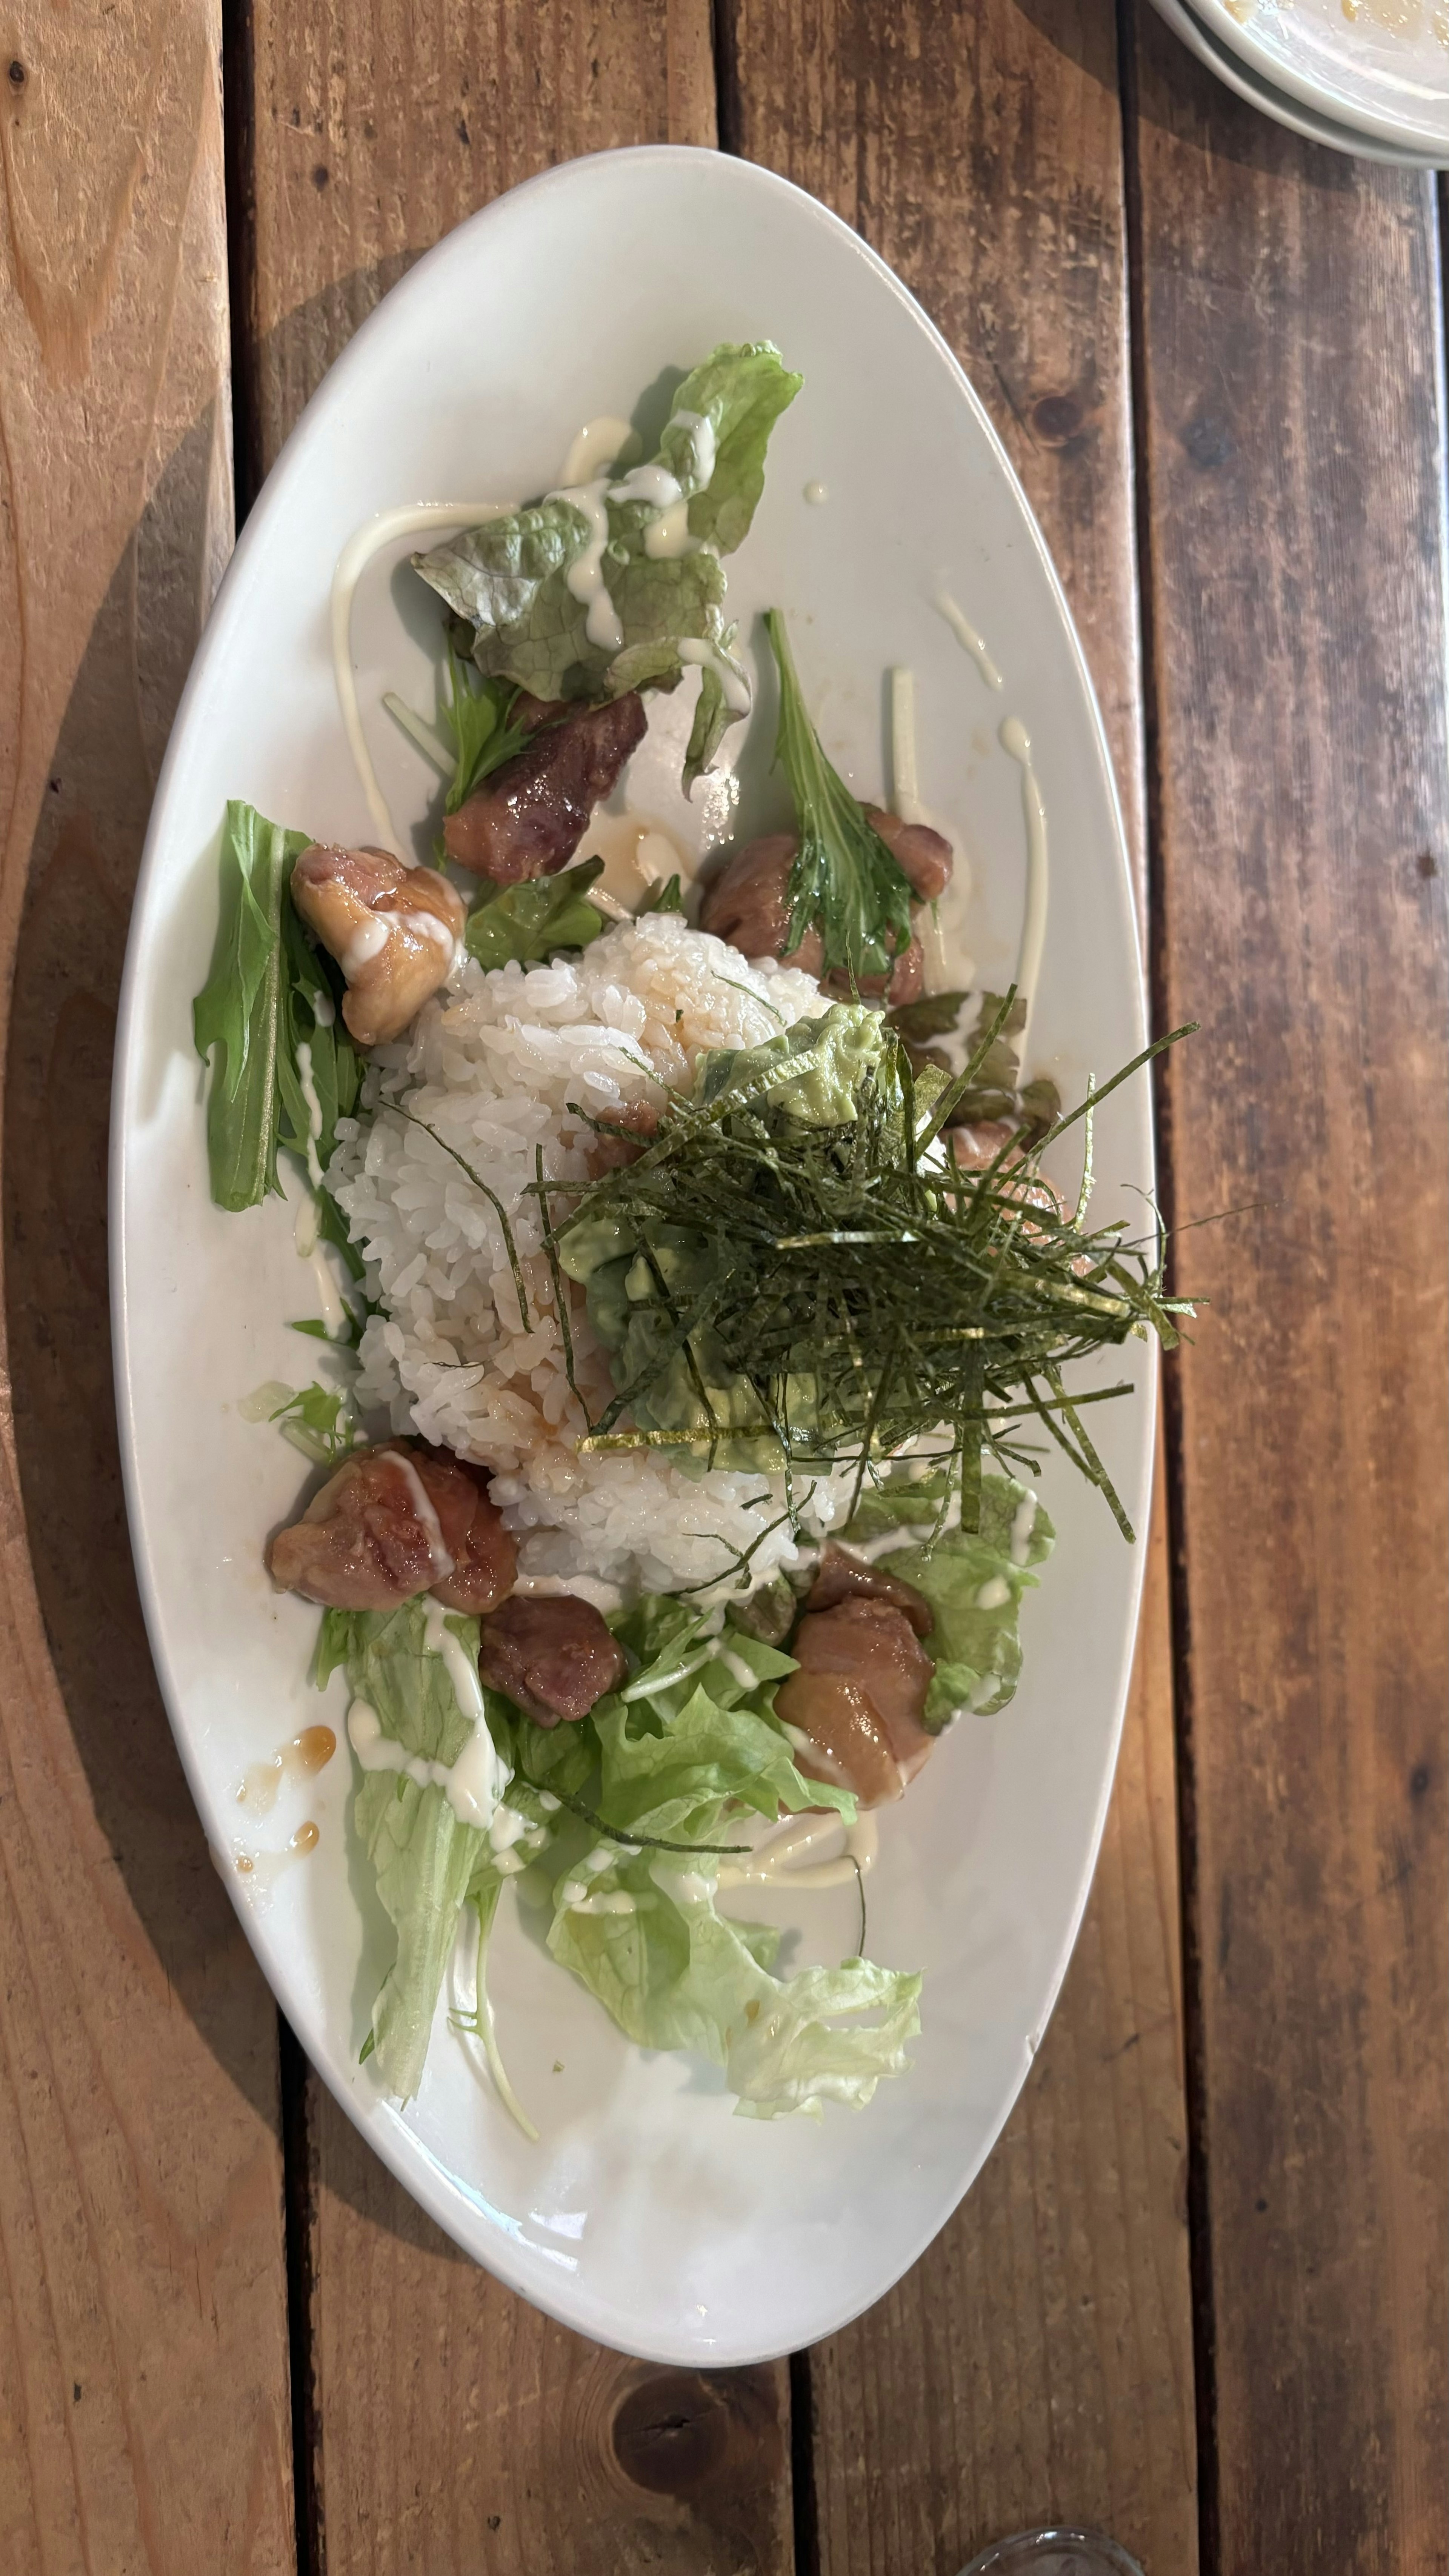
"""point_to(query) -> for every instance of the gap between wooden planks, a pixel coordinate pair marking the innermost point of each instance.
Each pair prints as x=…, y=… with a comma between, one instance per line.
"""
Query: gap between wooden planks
x=1039, y=2358
x=144, y=2409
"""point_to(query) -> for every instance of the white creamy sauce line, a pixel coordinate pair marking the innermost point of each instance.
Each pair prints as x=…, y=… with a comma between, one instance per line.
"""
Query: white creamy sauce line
x=666, y=534
x=965, y=634
x=323, y=1009
x=737, y=1668
x=585, y=575
x=734, y=685
x=589, y=1587
x=416, y=520
x=314, y=1113
x=474, y=1784
x=599, y=443
x=334, y=1313
x=905, y=788
x=1016, y=743
x=771, y=1865
x=438, y=1557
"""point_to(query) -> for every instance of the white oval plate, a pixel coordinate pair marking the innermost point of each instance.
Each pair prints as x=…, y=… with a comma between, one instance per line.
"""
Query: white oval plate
x=1385, y=70
x=648, y=2216
x=1310, y=122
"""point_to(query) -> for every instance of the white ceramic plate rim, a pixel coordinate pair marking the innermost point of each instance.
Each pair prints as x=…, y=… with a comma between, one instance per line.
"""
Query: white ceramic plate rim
x=1275, y=65
x=1276, y=104
x=401, y=2150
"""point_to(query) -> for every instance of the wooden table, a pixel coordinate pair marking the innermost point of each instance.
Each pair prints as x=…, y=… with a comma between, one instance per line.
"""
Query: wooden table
x=1198, y=2294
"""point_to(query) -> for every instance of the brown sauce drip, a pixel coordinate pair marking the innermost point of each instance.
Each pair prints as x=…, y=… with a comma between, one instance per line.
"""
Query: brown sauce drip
x=306, y=1754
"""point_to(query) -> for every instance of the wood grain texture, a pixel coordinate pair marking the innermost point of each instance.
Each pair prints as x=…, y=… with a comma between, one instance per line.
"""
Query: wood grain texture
x=1292, y=341
x=144, y=2410
x=457, y=2429
x=1039, y=2358
x=378, y=125
x=454, y=2427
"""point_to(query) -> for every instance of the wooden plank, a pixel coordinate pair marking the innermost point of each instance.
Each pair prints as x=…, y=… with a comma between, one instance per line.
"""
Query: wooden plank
x=144, y=2410
x=458, y=2429
x=1295, y=467
x=454, y=2427
x=1039, y=2359
x=375, y=132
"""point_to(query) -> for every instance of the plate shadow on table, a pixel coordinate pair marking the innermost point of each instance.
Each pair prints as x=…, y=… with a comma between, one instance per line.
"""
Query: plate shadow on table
x=69, y=953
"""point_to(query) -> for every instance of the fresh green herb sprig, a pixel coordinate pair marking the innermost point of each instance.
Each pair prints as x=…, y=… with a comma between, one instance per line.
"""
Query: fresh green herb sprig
x=837, y=1291
x=269, y=996
x=535, y=918
x=319, y=1421
x=844, y=882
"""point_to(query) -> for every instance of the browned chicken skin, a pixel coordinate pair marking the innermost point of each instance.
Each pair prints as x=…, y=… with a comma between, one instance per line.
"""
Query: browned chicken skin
x=551, y=1654
x=528, y=819
x=393, y=930
x=860, y=1695
x=393, y=1522
x=846, y=1577
x=746, y=904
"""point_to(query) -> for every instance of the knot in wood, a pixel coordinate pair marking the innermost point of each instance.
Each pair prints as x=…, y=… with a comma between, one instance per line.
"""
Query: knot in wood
x=17, y=74
x=1056, y=418
x=672, y=2432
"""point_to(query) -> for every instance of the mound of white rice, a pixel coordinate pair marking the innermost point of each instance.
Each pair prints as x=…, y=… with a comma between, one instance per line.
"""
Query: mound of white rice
x=492, y=1065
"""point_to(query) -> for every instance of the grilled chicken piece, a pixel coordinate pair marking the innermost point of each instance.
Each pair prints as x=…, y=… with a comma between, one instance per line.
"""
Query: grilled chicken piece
x=393, y=930
x=393, y=1522
x=746, y=905
x=844, y=1577
x=924, y=856
x=551, y=1654
x=528, y=819
x=859, y=1695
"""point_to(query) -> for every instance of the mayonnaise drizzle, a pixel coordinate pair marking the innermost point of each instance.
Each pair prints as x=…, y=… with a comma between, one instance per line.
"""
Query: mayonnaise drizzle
x=438, y=1557
x=314, y=1112
x=732, y=680
x=334, y=1313
x=599, y=443
x=965, y=633
x=585, y=574
x=418, y=519
x=905, y=790
x=771, y=1864
x=474, y=1784
x=1016, y=743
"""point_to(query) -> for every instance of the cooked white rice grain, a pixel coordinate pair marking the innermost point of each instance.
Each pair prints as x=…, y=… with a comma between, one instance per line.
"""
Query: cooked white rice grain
x=491, y=1066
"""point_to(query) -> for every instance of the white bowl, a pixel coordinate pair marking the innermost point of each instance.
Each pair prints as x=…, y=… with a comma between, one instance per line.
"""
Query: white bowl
x=648, y=2217
x=1388, y=81
x=1250, y=84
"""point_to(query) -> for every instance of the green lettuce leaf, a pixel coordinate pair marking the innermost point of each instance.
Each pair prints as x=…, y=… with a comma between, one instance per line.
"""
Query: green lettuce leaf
x=740, y=391
x=676, y=1974
x=258, y=1007
x=536, y=918
x=426, y=1859
x=388, y=1663
x=975, y=1646
x=509, y=580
